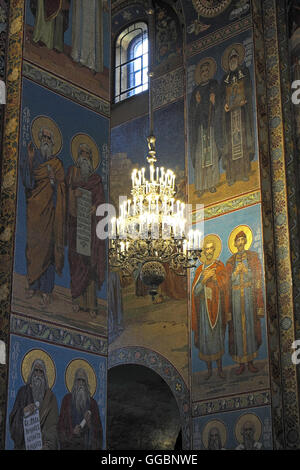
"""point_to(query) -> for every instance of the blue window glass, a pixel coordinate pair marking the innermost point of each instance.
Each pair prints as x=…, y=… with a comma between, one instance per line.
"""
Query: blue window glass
x=138, y=56
x=131, y=65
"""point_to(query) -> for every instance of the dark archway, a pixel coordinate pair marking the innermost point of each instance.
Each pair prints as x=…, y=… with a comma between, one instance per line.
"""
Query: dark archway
x=142, y=413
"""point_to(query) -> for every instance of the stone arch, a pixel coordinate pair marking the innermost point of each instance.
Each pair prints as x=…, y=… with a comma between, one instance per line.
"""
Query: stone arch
x=148, y=358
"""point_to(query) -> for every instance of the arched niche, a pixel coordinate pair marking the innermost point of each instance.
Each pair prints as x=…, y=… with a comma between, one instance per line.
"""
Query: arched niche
x=160, y=365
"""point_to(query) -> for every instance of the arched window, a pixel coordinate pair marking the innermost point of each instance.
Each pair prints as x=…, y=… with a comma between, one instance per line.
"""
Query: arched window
x=131, y=66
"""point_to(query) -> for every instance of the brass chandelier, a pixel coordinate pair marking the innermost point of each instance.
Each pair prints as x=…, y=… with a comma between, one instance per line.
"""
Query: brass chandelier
x=152, y=230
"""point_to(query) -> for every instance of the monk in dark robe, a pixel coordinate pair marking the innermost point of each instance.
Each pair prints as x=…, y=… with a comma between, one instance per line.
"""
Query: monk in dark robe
x=87, y=272
x=238, y=128
x=43, y=178
x=79, y=424
x=205, y=130
x=35, y=390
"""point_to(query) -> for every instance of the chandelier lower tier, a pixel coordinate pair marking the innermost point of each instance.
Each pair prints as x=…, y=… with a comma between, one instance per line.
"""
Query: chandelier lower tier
x=151, y=230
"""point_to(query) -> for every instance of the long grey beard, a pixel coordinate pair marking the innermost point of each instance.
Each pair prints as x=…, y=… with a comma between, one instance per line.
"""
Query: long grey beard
x=46, y=150
x=214, y=444
x=85, y=171
x=81, y=400
x=249, y=443
x=38, y=387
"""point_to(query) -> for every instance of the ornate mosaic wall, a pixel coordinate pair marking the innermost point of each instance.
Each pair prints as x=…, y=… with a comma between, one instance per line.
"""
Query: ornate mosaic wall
x=4, y=6
x=260, y=27
x=154, y=334
x=54, y=269
x=237, y=154
x=222, y=123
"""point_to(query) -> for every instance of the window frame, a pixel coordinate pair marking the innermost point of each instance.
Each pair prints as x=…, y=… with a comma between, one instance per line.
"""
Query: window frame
x=123, y=93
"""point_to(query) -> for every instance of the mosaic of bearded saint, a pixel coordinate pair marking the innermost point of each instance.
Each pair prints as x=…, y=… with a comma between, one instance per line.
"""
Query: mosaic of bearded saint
x=237, y=116
x=38, y=373
x=44, y=181
x=79, y=425
x=205, y=127
x=210, y=305
x=86, y=252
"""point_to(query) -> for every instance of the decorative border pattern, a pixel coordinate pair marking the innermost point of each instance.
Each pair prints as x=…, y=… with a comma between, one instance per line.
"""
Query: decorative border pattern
x=57, y=334
x=160, y=365
x=66, y=337
x=233, y=403
x=66, y=89
x=278, y=267
x=292, y=165
x=9, y=182
x=275, y=164
x=261, y=63
x=3, y=47
x=168, y=88
x=290, y=372
x=230, y=206
x=219, y=36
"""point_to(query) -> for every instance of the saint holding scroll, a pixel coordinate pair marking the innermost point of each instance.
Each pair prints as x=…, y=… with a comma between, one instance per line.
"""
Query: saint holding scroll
x=86, y=251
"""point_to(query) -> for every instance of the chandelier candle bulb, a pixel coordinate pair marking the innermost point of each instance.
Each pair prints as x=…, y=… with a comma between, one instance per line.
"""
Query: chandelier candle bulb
x=151, y=173
x=191, y=237
x=182, y=209
x=162, y=175
x=141, y=205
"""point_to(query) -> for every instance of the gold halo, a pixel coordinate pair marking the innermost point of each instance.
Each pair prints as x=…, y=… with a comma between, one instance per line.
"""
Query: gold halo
x=248, y=233
x=44, y=121
x=71, y=370
x=30, y=357
x=85, y=139
x=215, y=423
x=240, y=423
x=212, y=237
x=207, y=10
x=225, y=57
x=212, y=69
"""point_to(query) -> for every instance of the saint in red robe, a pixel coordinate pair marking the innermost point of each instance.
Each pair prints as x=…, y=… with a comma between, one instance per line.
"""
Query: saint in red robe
x=210, y=307
x=87, y=272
